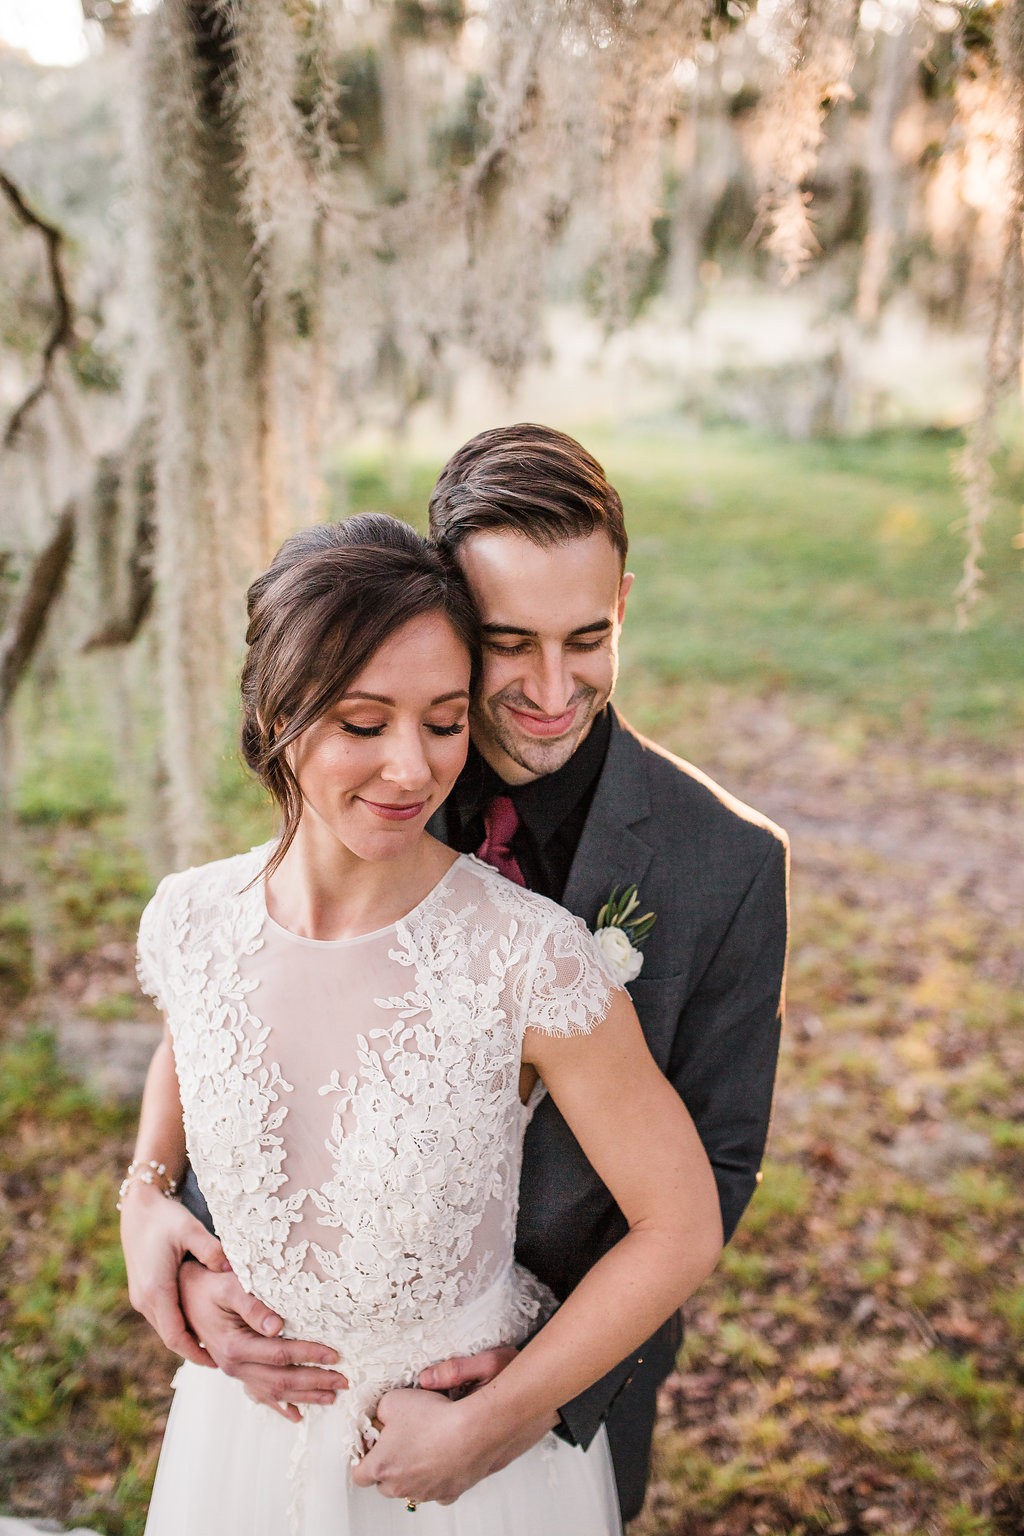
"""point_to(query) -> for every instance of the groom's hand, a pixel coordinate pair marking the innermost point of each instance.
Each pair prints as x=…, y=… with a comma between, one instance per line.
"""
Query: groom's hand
x=239, y=1334
x=465, y=1373
x=430, y=1448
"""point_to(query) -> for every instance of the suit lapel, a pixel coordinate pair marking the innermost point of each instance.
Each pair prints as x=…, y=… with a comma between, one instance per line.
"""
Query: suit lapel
x=610, y=852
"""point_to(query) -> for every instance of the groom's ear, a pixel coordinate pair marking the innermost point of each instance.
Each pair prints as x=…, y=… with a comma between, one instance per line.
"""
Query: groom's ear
x=624, y=586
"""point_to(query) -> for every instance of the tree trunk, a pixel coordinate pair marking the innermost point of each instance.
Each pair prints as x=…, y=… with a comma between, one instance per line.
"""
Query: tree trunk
x=28, y=616
x=883, y=173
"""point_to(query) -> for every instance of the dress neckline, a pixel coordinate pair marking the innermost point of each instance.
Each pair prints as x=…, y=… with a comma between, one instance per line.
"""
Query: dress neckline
x=354, y=938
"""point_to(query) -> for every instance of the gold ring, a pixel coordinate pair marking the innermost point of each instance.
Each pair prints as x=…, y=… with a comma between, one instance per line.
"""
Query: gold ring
x=411, y=1506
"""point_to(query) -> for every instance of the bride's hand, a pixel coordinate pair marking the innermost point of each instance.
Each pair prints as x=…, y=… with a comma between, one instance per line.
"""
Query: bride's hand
x=430, y=1448
x=417, y=1441
x=156, y=1234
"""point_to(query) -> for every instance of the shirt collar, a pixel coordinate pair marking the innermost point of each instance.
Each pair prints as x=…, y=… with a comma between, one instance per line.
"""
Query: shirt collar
x=545, y=803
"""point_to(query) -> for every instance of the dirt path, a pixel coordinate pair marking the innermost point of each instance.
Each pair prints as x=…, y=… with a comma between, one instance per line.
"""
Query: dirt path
x=948, y=818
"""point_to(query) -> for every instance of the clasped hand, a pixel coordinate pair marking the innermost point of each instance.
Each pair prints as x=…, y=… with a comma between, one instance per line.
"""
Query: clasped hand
x=192, y=1299
x=431, y=1448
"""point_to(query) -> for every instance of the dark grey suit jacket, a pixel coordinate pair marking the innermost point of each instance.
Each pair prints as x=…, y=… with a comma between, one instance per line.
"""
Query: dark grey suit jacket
x=709, y=999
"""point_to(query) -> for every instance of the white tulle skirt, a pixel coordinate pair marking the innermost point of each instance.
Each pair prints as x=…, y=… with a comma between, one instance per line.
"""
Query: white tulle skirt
x=229, y=1467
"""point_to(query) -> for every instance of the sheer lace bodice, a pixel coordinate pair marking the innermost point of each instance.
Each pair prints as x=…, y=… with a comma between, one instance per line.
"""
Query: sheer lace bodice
x=352, y=1107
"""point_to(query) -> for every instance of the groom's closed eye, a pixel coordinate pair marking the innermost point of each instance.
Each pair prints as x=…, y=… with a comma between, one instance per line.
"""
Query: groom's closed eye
x=524, y=645
x=505, y=640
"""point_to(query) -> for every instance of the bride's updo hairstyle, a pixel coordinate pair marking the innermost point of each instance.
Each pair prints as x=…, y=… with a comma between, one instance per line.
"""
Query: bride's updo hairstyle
x=330, y=598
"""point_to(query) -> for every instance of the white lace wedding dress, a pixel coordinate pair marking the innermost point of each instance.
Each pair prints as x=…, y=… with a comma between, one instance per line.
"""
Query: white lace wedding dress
x=352, y=1114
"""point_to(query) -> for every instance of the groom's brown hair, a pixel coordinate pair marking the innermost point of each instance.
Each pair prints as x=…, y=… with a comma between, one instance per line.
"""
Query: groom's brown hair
x=525, y=479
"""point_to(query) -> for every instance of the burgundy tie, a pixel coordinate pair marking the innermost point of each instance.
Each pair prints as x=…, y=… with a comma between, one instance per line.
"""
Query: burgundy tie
x=501, y=820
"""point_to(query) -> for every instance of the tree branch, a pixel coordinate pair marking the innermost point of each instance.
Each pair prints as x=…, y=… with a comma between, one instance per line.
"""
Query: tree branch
x=124, y=626
x=23, y=630
x=62, y=331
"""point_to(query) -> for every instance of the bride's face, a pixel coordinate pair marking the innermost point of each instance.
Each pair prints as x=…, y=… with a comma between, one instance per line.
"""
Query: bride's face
x=375, y=767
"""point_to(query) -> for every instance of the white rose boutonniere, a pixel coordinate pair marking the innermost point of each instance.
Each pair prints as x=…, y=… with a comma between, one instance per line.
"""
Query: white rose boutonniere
x=620, y=957
x=619, y=934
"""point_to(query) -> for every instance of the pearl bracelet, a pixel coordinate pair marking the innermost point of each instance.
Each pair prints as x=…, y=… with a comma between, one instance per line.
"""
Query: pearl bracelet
x=148, y=1173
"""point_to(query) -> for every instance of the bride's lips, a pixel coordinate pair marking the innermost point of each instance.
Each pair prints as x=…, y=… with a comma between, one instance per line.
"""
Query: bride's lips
x=394, y=812
x=543, y=725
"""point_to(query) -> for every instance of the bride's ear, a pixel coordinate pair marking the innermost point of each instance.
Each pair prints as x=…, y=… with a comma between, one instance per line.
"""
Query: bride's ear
x=269, y=731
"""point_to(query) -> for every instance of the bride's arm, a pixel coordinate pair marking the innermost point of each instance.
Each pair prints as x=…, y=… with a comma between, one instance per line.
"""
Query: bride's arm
x=157, y=1233
x=639, y=1137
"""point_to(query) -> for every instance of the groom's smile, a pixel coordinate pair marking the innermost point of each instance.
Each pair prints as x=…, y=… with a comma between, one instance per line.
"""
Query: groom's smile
x=551, y=616
x=541, y=725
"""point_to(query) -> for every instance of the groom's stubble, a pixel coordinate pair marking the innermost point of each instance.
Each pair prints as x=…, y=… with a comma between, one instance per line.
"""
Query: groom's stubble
x=551, y=616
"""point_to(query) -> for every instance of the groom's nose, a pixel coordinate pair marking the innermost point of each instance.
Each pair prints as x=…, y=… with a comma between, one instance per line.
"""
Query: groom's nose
x=549, y=684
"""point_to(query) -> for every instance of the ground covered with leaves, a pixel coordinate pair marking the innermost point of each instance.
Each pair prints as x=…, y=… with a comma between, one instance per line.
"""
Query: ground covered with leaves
x=83, y=1385
x=854, y=1367
x=83, y=1381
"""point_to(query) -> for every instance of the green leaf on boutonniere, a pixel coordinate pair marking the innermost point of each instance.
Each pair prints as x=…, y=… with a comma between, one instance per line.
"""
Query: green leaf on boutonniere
x=618, y=910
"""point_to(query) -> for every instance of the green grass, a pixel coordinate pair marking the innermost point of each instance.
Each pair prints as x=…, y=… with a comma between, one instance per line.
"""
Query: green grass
x=78, y=1397
x=988, y=1405
x=783, y=1194
x=822, y=569
x=15, y=951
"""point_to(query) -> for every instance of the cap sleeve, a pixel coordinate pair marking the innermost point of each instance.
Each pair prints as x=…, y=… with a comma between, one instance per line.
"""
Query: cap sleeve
x=152, y=943
x=570, y=990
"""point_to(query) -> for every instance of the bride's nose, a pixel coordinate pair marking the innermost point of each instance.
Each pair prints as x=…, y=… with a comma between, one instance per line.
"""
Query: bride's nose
x=405, y=761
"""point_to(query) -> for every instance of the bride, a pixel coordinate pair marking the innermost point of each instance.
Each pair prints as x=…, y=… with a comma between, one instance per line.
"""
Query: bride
x=361, y=1022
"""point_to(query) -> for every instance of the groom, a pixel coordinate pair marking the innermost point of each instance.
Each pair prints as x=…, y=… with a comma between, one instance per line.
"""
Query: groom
x=561, y=795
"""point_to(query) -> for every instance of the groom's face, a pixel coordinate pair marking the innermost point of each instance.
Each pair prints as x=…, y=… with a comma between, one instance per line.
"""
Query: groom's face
x=551, y=617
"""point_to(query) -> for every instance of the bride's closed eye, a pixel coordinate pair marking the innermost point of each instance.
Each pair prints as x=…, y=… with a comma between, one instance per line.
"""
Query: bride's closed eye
x=361, y=730
x=375, y=730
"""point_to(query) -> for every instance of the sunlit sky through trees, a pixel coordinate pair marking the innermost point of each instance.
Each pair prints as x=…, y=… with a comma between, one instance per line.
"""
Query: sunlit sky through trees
x=51, y=31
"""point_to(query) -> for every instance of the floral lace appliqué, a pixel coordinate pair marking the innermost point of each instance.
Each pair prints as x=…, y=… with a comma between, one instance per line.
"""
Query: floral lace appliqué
x=408, y=1216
